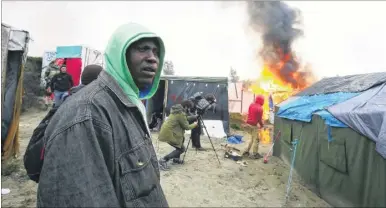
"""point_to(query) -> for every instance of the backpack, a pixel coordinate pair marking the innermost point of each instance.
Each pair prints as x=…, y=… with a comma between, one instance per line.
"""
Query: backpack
x=34, y=155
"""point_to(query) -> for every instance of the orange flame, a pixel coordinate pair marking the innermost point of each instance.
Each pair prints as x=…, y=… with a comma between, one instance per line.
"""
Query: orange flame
x=264, y=135
x=271, y=82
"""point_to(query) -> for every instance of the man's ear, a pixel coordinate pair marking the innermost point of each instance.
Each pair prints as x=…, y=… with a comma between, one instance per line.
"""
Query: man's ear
x=127, y=57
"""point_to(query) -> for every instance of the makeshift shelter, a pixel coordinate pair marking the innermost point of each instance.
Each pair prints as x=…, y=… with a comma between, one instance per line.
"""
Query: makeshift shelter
x=75, y=58
x=14, y=49
x=175, y=89
x=340, y=124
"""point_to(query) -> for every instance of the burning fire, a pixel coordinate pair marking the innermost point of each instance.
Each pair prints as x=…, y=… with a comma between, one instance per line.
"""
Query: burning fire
x=281, y=75
x=272, y=83
x=264, y=135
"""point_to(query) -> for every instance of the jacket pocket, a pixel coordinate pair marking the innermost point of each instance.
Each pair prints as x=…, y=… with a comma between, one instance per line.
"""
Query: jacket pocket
x=138, y=177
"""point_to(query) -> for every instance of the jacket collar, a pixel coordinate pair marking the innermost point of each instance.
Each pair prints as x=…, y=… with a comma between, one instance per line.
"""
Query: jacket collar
x=113, y=85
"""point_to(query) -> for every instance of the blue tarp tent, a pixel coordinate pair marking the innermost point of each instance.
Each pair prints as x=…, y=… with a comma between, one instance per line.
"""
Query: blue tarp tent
x=340, y=123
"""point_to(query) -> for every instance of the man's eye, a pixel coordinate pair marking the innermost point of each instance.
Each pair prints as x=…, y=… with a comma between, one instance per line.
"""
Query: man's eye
x=142, y=49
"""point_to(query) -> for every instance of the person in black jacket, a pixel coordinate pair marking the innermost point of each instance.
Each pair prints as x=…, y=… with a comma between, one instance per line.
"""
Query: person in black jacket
x=89, y=74
x=61, y=83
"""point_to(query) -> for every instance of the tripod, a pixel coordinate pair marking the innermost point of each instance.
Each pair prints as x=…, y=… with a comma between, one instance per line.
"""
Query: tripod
x=199, y=119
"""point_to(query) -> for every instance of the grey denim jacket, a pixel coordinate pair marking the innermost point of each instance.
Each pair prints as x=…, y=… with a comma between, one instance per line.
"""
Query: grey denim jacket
x=99, y=153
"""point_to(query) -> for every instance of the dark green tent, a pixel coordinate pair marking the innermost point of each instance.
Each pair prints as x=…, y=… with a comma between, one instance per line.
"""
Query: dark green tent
x=337, y=155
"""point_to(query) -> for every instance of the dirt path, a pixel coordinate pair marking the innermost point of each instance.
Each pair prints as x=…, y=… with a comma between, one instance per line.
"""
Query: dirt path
x=200, y=182
x=23, y=190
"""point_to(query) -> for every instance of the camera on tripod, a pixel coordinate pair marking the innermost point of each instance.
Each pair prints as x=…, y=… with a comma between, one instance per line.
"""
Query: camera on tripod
x=202, y=104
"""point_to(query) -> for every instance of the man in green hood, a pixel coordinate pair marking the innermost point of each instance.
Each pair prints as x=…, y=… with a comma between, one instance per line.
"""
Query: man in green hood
x=98, y=149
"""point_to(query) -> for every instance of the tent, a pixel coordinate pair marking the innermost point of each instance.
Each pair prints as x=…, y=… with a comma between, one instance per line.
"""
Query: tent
x=174, y=89
x=14, y=49
x=340, y=124
x=75, y=58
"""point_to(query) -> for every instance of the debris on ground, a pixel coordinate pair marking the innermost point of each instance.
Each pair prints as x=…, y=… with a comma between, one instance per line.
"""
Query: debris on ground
x=199, y=182
x=5, y=191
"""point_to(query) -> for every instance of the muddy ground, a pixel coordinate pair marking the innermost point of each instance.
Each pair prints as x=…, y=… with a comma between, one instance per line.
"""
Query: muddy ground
x=200, y=182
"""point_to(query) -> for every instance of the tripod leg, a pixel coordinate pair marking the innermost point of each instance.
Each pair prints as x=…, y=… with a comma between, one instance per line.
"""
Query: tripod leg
x=186, y=150
x=202, y=122
x=157, y=145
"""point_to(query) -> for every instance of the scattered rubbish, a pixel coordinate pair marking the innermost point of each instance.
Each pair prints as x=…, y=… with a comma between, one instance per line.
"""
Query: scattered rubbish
x=235, y=139
x=232, y=155
x=230, y=148
x=5, y=191
x=242, y=163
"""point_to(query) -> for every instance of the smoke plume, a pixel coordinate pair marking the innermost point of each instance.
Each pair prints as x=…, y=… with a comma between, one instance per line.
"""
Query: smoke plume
x=276, y=22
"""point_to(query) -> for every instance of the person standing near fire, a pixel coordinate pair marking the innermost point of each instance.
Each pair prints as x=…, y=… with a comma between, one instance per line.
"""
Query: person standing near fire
x=255, y=118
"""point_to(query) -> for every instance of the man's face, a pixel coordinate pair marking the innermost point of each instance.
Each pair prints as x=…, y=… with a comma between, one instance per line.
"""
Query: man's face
x=63, y=69
x=143, y=59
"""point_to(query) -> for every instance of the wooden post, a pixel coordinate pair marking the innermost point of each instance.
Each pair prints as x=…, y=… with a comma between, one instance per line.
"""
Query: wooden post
x=242, y=95
x=237, y=96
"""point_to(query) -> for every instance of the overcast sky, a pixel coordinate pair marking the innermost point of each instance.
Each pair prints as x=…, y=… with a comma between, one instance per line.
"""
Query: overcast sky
x=207, y=38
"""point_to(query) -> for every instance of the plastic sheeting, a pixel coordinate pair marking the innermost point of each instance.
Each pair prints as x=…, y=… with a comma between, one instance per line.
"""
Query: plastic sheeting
x=69, y=52
x=351, y=83
x=302, y=108
x=12, y=77
x=14, y=54
x=17, y=39
x=330, y=120
x=74, y=68
x=366, y=114
x=345, y=172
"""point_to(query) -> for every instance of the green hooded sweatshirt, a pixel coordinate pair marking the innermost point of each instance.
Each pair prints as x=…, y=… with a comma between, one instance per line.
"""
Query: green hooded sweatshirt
x=116, y=65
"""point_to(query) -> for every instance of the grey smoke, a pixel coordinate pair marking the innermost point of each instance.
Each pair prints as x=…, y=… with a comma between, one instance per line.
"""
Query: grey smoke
x=276, y=22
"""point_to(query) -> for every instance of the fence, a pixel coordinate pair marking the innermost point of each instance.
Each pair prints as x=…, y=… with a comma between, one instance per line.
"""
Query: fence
x=239, y=99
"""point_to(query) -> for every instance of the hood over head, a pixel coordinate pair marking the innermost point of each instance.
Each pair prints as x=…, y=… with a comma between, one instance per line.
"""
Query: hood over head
x=176, y=109
x=116, y=64
x=259, y=100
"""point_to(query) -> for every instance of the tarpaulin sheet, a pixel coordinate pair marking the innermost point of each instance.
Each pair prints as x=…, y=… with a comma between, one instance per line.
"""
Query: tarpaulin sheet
x=346, y=172
x=330, y=120
x=302, y=108
x=12, y=77
x=366, y=114
x=350, y=83
x=74, y=68
x=69, y=52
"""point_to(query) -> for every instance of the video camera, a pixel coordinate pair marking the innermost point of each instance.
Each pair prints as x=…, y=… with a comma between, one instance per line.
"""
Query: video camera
x=202, y=104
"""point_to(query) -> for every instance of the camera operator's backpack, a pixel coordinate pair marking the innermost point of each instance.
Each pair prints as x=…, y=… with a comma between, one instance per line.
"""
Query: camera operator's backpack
x=34, y=155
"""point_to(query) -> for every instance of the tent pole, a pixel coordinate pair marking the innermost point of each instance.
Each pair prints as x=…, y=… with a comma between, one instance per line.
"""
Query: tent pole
x=242, y=95
x=237, y=96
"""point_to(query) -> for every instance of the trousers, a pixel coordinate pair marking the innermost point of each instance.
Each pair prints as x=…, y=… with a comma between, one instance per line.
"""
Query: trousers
x=58, y=97
x=253, y=144
x=195, y=135
x=176, y=153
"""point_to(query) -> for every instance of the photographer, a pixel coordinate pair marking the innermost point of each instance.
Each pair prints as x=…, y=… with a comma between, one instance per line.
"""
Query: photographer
x=196, y=132
x=172, y=132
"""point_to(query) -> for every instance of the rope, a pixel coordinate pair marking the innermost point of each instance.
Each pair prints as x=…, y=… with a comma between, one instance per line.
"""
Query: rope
x=294, y=145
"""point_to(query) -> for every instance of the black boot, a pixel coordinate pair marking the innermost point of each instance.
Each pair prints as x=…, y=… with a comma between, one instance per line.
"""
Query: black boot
x=177, y=161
